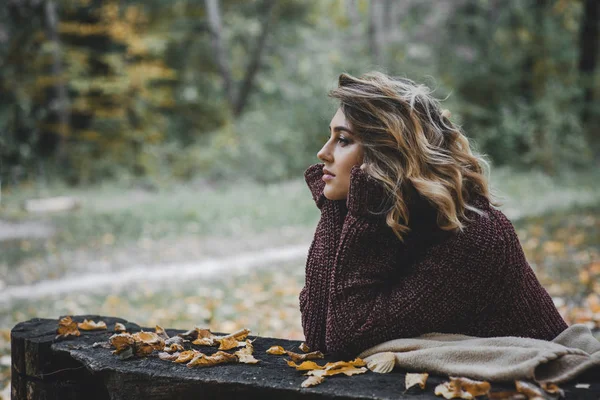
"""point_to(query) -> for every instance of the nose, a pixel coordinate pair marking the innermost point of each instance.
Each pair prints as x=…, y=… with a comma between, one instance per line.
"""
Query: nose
x=324, y=154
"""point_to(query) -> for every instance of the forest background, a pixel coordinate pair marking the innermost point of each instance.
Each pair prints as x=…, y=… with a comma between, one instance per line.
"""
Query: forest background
x=182, y=128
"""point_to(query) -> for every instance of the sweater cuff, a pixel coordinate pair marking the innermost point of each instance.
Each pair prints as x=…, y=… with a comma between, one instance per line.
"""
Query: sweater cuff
x=366, y=194
x=313, y=177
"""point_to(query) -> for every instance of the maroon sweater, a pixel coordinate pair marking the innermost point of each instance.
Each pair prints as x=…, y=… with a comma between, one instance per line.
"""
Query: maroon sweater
x=364, y=286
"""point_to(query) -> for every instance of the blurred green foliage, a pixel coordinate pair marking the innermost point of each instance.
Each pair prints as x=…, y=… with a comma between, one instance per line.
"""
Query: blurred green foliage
x=144, y=94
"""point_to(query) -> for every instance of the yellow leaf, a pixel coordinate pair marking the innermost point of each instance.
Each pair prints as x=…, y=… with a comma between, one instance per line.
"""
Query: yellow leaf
x=89, y=325
x=121, y=342
x=463, y=388
x=161, y=332
x=186, y=356
x=119, y=327
x=67, y=327
x=530, y=390
x=347, y=370
x=228, y=343
x=312, y=381
x=303, y=357
x=415, y=379
x=245, y=355
x=305, y=366
x=304, y=347
x=276, y=350
x=220, y=357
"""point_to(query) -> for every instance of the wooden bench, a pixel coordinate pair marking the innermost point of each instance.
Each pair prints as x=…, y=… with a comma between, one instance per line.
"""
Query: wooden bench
x=46, y=368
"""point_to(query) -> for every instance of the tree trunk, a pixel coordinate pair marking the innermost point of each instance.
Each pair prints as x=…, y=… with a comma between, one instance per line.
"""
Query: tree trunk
x=374, y=31
x=254, y=64
x=60, y=104
x=215, y=27
x=588, y=45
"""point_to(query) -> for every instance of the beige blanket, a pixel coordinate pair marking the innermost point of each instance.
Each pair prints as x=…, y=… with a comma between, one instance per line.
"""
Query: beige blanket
x=497, y=358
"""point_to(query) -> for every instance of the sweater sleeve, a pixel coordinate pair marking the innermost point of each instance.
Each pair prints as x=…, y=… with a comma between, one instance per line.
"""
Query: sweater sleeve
x=321, y=254
x=374, y=297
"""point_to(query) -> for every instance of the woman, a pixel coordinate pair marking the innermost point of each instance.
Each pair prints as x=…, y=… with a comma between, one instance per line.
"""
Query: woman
x=408, y=242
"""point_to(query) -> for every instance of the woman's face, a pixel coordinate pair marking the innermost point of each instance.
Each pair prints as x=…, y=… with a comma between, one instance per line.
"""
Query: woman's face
x=341, y=152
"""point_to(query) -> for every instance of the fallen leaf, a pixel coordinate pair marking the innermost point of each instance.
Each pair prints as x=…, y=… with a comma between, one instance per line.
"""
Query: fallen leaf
x=463, y=388
x=121, y=342
x=382, y=363
x=305, y=366
x=312, y=381
x=415, y=379
x=175, y=340
x=119, y=327
x=147, y=342
x=168, y=357
x=67, y=327
x=161, y=332
x=173, y=348
x=553, y=389
x=531, y=391
x=204, y=337
x=348, y=371
x=228, y=343
x=245, y=355
x=186, y=356
x=304, y=347
x=89, y=325
x=276, y=350
x=220, y=357
x=303, y=357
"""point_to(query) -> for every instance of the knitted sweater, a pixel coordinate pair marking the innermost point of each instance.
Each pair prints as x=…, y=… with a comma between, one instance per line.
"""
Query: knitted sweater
x=363, y=286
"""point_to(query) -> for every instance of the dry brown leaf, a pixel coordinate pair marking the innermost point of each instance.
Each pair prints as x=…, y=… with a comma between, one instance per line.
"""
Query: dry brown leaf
x=304, y=347
x=415, y=379
x=168, y=357
x=220, y=357
x=553, y=389
x=205, y=338
x=119, y=327
x=121, y=342
x=382, y=363
x=161, y=332
x=192, y=334
x=147, y=342
x=229, y=342
x=305, y=366
x=347, y=370
x=173, y=348
x=312, y=381
x=357, y=362
x=276, y=350
x=463, y=388
x=67, y=327
x=296, y=357
x=89, y=325
x=245, y=355
x=175, y=340
x=532, y=391
x=186, y=356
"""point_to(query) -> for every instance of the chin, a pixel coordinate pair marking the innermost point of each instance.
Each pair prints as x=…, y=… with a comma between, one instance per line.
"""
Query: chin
x=331, y=195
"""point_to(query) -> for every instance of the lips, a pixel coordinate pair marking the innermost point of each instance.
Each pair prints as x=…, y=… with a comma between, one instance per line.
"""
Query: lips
x=327, y=172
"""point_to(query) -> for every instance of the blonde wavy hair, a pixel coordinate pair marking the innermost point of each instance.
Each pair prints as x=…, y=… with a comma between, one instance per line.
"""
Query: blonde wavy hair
x=411, y=145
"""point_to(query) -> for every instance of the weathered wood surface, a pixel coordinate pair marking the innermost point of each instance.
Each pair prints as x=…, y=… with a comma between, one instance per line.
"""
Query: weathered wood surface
x=44, y=368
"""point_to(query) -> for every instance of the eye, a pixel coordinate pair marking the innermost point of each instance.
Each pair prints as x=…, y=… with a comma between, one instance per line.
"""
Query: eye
x=344, y=141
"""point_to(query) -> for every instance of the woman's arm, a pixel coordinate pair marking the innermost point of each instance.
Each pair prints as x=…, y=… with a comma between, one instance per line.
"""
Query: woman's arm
x=321, y=256
x=369, y=302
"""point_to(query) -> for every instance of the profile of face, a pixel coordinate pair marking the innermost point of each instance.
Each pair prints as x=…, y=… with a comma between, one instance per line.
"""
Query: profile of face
x=342, y=151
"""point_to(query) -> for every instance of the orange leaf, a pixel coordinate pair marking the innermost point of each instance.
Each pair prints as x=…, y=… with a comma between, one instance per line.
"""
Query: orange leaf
x=67, y=327
x=276, y=350
x=89, y=325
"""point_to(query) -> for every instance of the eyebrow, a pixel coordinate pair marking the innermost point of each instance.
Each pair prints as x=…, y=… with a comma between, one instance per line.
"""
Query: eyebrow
x=341, y=128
